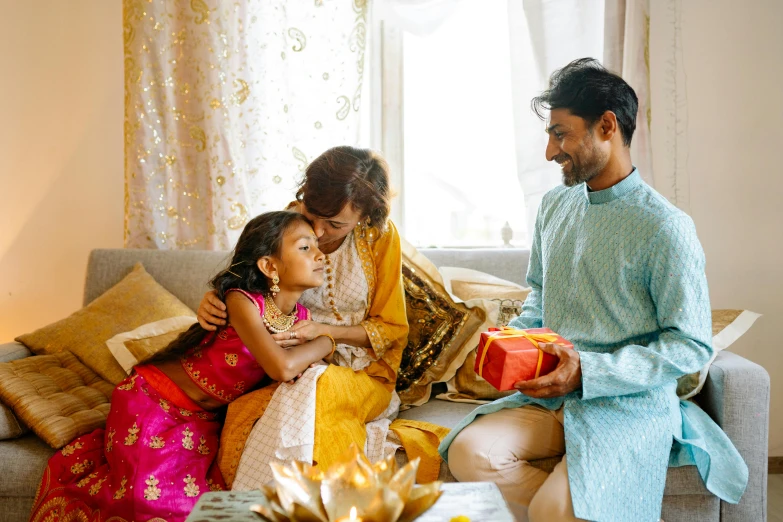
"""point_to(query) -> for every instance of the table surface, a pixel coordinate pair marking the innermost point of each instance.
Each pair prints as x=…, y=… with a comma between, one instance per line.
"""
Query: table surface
x=479, y=501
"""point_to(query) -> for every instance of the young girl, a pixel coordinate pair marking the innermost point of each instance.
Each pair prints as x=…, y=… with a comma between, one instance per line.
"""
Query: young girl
x=156, y=454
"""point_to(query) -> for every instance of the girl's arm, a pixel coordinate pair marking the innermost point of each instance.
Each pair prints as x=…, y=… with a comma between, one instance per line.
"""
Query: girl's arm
x=279, y=363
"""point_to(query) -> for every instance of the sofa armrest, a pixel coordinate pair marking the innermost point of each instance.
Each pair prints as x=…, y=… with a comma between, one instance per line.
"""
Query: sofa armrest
x=13, y=351
x=736, y=396
x=10, y=427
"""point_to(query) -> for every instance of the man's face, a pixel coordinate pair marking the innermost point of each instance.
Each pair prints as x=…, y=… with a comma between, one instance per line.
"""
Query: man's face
x=575, y=147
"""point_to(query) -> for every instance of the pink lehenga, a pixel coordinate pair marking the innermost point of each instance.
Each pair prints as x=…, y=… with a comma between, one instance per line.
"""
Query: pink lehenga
x=156, y=455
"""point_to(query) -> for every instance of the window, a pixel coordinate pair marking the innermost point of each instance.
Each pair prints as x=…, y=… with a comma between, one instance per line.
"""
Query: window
x=452, y=114
x=460, y=173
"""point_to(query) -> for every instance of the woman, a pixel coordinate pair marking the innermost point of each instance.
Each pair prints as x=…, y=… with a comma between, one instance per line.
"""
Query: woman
x=345, y=193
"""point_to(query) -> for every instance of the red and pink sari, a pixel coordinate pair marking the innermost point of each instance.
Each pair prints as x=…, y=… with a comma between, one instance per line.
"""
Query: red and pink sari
x=156, y=455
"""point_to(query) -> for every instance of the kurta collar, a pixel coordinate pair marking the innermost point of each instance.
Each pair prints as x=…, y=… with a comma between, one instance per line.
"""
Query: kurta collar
x=615, y=191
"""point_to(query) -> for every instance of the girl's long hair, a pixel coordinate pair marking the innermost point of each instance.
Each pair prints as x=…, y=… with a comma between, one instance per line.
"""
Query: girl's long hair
x=262, y=236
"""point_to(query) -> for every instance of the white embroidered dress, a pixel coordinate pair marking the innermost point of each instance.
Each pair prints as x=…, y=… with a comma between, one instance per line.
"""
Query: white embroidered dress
x=286, y=431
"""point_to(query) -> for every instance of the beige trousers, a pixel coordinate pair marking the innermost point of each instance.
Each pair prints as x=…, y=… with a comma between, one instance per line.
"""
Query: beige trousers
x=497, y=447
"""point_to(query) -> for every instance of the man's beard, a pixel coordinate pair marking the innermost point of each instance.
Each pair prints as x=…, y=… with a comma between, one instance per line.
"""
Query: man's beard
x=591, y=164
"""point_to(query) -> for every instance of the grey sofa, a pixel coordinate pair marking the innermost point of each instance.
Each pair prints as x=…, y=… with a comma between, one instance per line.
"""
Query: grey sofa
x=736, y=394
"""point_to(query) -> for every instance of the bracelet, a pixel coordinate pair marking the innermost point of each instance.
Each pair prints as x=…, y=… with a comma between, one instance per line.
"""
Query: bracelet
x=334, y=344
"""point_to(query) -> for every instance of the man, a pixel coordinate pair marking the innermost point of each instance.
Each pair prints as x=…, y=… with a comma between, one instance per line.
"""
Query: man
x=618, y=271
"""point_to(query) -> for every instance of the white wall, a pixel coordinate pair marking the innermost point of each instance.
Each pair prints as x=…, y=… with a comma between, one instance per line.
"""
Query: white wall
x=733, y=59
x=61, y=153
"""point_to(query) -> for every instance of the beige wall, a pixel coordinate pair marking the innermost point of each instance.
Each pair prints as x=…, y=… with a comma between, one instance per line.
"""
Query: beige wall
x=61, y=156
x=734, y=77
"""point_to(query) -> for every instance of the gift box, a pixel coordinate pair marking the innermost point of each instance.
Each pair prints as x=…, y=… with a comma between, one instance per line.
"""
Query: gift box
x=507, y=356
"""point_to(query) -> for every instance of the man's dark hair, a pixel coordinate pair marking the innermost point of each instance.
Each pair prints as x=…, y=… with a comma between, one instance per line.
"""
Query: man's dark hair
x=587, y=90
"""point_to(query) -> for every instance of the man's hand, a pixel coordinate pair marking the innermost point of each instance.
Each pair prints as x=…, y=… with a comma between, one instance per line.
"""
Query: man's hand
x=564, y=379
x=301, y=332
x=211, y=311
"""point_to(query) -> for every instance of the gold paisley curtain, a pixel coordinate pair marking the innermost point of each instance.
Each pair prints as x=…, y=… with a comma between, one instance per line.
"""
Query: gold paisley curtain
x=225, y=105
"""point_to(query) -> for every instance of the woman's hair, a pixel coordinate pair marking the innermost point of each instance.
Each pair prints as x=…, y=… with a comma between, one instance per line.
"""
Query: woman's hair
x=262, y=236
x=343, y=175
x=588, y=90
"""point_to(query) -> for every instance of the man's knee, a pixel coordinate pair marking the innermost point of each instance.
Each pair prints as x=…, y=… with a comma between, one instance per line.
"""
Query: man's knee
x=462, y=457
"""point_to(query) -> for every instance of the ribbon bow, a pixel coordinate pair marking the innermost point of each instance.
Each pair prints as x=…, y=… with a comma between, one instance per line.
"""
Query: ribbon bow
x=509, y=333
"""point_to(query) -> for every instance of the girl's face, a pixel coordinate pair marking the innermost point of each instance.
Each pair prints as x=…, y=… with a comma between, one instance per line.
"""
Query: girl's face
x=302, y=264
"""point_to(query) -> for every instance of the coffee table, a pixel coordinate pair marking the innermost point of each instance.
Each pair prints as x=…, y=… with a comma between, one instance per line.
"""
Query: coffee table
x=479, y=501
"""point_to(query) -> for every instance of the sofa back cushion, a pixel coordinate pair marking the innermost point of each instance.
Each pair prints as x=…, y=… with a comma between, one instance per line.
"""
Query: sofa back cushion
x=184, y=273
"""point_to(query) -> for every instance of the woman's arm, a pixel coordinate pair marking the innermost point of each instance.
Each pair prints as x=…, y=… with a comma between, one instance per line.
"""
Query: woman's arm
x=308, y=330
x=279, y=363
x=386, y=325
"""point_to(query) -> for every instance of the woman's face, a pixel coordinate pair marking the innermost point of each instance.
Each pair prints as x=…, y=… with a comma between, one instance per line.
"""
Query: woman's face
x=333, y=229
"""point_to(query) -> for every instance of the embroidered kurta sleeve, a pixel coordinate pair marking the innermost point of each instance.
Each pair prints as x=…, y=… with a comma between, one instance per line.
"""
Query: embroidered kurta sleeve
x=532, y=314
x=678, y=288
x=387, y=323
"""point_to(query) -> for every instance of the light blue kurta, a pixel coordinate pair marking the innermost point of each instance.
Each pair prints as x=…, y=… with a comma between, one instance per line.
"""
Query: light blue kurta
x=620, y=273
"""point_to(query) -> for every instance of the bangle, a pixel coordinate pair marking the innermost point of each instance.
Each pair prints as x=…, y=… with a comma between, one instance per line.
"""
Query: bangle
x=334, y=344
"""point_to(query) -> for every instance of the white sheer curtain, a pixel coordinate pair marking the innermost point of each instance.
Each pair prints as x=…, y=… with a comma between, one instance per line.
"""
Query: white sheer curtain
x=226, y=104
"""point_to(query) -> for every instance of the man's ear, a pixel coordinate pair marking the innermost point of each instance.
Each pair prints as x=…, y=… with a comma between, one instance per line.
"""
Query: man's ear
x=267, y=265
x=608, y=125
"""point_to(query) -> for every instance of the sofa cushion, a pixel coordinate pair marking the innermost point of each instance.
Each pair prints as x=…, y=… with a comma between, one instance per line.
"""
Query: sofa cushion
x=22, y=462
x=134, y=301
x=56, y=395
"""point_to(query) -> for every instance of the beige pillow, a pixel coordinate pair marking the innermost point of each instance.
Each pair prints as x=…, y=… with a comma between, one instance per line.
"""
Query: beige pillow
x=136, y=300
x=727, y=327
x=441, y=334
x=467, y=290
x=501, y=301
x=137, y=346
x=56, y=395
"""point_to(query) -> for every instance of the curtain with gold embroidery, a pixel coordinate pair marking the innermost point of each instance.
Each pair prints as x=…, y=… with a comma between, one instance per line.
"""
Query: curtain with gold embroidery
x=225, y=105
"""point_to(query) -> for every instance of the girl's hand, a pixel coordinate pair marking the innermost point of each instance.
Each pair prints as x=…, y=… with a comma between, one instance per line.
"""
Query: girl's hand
x=300, y=333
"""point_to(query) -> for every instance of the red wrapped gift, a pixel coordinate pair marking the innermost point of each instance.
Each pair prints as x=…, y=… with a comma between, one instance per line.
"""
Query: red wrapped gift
x=507, y=356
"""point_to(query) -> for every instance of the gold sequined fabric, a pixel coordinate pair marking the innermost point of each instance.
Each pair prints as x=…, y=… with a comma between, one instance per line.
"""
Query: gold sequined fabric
x=440, y=333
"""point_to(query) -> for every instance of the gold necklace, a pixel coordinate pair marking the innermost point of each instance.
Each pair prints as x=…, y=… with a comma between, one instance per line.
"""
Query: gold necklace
x=330, y=288
x=275, y=320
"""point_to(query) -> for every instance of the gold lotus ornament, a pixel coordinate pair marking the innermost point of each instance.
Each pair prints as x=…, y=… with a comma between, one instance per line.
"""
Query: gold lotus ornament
x=351, y=489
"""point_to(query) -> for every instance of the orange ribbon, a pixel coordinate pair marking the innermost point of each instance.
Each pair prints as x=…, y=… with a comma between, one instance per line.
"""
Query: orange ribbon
x=510, y=333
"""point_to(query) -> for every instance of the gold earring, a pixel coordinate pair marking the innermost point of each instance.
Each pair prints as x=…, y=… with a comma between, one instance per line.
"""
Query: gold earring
x=274, y=288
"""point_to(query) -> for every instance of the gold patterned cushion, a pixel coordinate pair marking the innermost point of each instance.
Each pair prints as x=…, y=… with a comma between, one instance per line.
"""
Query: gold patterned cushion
x=55, y=395
x=136, y=300
x=441, y=333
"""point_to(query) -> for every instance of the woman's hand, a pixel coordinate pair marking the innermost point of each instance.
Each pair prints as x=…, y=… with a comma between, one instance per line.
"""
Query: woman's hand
x=211, y=312
x=300, y=333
